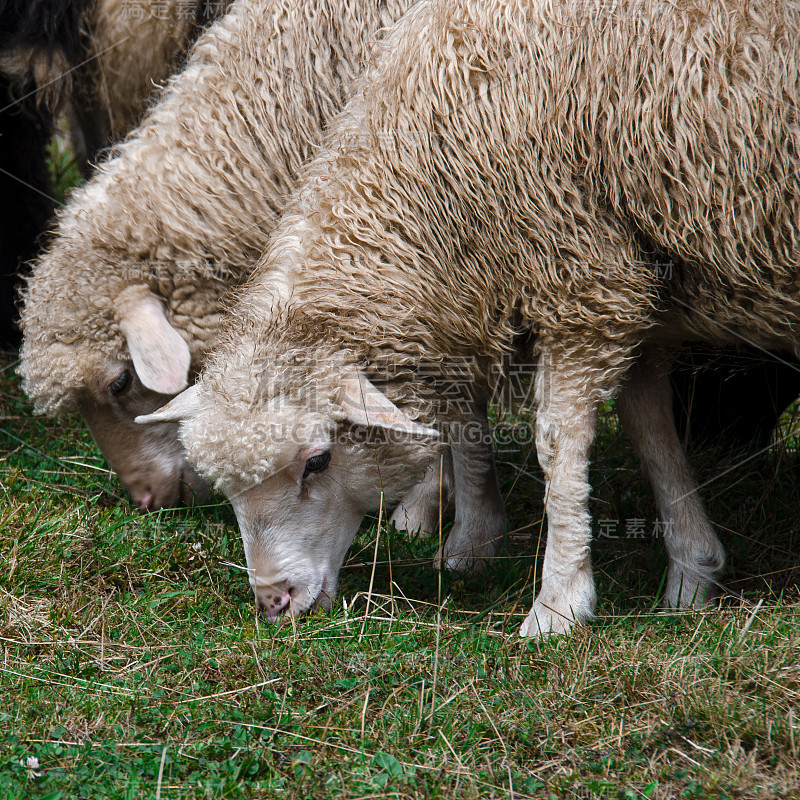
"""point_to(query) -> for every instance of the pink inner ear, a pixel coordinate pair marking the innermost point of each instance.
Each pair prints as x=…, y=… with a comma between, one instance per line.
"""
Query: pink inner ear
x=159, y=353
x=365, y=404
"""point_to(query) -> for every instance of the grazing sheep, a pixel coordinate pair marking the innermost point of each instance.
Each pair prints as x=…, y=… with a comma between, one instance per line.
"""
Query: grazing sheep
x=123, y=306
x=509, y=166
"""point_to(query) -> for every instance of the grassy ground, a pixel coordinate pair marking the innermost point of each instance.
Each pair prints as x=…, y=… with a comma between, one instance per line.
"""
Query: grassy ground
x=132, y=664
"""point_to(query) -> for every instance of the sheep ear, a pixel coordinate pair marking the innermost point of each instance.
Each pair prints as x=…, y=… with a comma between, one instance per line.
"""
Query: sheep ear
x=185, y=406
x=159, y=353
x=365, y=404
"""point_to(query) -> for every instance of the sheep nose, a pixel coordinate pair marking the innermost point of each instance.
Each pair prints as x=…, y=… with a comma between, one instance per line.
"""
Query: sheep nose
x=150, y=501
x=155, y=498
x=274, y=600
x=144, y=501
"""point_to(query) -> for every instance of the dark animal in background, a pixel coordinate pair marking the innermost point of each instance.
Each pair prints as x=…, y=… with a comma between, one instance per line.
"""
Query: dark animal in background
x=731, y=397
x=99, y=62
x=41, y=41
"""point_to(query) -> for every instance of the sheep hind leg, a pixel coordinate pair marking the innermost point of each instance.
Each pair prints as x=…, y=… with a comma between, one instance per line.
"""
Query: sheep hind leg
x=566, y=418
x=424, y=506
x=696, y=556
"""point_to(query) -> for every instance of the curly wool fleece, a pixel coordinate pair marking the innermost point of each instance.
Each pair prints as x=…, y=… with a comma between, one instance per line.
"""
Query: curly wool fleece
x=510, y=165
x=185, y=205
x=137, y=45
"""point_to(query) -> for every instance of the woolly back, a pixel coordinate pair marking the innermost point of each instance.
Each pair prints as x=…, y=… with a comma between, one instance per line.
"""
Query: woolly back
x=511, y=167
x=502, y=149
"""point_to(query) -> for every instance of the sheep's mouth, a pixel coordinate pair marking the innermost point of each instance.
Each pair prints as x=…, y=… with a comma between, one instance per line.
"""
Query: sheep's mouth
x=180, y=494
x=186, y=495
x=325, y=597
x=321, y=602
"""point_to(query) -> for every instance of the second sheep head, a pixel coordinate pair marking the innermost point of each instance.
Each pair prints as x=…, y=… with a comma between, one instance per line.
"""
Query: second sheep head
x=149, y=460
x=112, y=362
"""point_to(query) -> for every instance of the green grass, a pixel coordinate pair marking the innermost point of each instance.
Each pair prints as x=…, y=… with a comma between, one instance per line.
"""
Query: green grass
x=64, y=169
x=133, y=665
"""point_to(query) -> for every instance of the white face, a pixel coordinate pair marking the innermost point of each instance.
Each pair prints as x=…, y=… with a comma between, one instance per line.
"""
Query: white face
x=298, y=524
x=149, y=459
x=300, y=481
x=115, y=361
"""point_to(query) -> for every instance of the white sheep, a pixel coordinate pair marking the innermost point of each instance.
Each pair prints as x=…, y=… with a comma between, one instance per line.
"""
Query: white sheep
x=124, y=304
x=509, y=166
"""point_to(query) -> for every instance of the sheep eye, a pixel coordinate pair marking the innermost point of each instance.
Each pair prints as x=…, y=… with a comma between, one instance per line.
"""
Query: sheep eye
x=317, y=463
x=120, y=383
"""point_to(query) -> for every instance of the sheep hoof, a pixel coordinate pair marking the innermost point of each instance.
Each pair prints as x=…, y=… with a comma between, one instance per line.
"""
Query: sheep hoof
x=463, y=562
x=559, y=607
x=470, y=552
x=544, y=621
x=693, y=582
x=689, y=590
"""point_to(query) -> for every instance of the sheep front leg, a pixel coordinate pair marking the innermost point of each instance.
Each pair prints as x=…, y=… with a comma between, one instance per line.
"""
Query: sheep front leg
x=566, y=418
x=480, y=518
x=466, y=477
x=696, y=556
x=422, y=508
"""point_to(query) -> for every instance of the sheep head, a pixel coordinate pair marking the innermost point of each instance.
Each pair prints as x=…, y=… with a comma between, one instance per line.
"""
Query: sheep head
x=301, y=472
x=111, y=371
